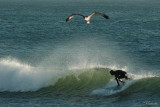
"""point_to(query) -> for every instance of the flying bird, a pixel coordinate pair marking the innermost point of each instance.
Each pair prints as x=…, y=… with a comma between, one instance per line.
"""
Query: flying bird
x=87, y=18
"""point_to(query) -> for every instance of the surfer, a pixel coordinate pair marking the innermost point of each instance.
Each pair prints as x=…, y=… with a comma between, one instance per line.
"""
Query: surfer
x=119, y=74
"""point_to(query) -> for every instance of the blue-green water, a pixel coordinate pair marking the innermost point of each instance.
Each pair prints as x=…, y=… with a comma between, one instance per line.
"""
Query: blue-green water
x=45, y=61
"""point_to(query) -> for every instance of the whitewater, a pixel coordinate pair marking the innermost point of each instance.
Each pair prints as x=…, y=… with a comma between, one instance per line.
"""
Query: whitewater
x=45, y=61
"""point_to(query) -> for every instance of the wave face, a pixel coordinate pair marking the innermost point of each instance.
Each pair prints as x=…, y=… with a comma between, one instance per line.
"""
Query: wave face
x=148, y=86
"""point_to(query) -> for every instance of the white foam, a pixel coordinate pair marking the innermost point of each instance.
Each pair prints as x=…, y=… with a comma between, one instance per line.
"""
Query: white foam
x=110, y=88
x=16, y=76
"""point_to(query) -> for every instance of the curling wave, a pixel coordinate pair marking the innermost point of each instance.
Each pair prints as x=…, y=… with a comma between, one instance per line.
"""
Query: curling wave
x=34, y=81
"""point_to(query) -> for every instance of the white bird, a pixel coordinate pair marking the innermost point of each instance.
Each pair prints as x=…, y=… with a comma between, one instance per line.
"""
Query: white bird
x=87, y=18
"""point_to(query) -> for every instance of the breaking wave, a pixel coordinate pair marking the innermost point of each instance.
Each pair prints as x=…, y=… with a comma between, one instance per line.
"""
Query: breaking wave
x=23, y=78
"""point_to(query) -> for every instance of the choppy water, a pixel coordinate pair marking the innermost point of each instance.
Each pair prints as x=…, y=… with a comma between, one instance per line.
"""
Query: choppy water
x=45, y=61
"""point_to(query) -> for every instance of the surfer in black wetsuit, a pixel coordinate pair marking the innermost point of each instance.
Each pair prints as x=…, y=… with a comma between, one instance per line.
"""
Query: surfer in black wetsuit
x=119, y=74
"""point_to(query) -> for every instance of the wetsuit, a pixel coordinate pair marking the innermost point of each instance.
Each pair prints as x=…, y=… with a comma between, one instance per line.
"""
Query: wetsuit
x=119, y=74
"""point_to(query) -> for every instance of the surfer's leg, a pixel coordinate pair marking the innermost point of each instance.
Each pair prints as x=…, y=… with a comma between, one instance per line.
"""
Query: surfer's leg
x=117, y=81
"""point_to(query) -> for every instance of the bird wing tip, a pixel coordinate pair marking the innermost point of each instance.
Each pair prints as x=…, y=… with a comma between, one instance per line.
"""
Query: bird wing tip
x=107, y=17
x=67, y=20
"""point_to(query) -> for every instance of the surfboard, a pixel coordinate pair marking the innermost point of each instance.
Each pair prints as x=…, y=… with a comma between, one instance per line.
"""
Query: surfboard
x=109, y=89
x=112, y=88
x=115, y=87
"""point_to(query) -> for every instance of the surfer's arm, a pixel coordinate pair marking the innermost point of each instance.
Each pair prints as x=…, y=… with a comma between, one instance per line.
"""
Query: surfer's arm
x=121, y=81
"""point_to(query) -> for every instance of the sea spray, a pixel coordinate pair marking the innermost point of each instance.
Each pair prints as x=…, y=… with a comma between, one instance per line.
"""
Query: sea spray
x=17, y=76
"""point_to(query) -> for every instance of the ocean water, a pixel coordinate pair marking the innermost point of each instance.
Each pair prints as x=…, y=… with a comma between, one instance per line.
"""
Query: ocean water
x=46, y=62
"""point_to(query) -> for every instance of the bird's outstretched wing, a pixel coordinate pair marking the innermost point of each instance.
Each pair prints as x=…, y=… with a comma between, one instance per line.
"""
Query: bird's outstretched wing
x=71, y=16
x=105, y=16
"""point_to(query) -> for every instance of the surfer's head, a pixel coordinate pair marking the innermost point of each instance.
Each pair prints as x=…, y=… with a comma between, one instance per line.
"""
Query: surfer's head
x=112, y=72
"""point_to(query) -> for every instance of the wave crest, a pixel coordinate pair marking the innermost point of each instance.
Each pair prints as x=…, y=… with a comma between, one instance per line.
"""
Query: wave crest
x=16, y=76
